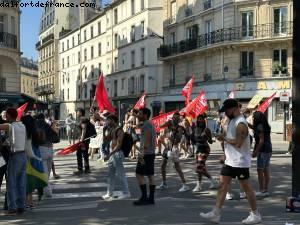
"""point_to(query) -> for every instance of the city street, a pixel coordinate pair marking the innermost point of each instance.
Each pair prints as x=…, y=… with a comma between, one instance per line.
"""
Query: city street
x=77, y=200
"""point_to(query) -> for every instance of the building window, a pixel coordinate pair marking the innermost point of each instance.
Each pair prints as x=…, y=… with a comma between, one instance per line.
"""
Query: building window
x=85, y=54
x=131, y=86
x=63, y=46
x=115, y=88
x=68, y=94
x=247, y=24
x=79, y=57
x=142, y=5
x=92, y=31
x=173, y=38
x=173, y=74
x=100, y=67
x=63, y=63
x=116, y=63
x=79, y=75
x=99, y=28
x=116, y=40
x=116, y=16
x=142, y=56
x=132, y=59
x=85, y=72
x=92, y=52
x=247, y=64
x=132, y=7
x=99, y=49
x=68, y=45
x=123, y=83
x=208, y=30
x=63, y=78
x=73, y=41
x=280, y=20
x=142, y=29
x=68, y=62
x=85, y=91
x=189, y=32
x=13, y=25
x=142, y=83
x=78, y=38
x=132, y=33
x=173, y=12
x=92, y=71
x=84, y=35
x=79, y=91
x=280, y=62
x=63, y=94
x=207, y=4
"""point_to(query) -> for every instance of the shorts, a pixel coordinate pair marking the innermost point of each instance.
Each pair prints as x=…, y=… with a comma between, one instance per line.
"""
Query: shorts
x=235, y=172
x=146, y=168
x=173, y=155
x=200, y=162
x=263, y=160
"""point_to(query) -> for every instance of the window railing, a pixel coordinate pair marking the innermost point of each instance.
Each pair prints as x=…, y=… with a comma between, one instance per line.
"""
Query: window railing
x=49, y=37
x=246, y=72
x=8, y=40
x=260, y=32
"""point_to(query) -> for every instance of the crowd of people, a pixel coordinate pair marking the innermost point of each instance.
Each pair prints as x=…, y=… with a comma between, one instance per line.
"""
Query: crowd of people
x=103, y=136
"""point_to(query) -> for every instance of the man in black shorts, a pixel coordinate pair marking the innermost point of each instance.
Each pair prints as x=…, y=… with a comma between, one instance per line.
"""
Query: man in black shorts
x=145, y=164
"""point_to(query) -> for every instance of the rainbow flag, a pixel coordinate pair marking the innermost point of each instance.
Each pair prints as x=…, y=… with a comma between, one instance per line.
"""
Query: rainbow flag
x=36, y=177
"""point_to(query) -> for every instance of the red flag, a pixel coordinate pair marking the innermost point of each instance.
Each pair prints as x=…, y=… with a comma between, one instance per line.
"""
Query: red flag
x=21, y=109
x=141, y=102
x=69, y=150
x=265, y=105
x=198, y=106
x=102, y=98
x=187, y=90
x=161, y=119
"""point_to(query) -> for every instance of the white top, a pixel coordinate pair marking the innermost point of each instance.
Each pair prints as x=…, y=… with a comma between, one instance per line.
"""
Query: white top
x=17, y=136
x=237, y=157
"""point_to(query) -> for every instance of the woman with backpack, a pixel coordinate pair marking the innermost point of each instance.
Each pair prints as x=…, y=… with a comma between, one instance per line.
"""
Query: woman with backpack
x=115, y=161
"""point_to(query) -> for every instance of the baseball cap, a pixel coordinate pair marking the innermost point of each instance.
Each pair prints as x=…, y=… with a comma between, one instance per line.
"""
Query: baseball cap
x=228, y=104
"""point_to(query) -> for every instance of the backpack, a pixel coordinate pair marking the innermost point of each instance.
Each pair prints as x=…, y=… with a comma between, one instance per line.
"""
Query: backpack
x=127, y=143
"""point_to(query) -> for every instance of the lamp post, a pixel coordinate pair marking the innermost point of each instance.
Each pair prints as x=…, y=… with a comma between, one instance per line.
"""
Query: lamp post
x=296, y=102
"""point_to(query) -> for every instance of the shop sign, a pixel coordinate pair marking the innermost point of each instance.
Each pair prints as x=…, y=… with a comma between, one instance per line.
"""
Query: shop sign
x=254, y=101
x=273, y=85
x=284, y=97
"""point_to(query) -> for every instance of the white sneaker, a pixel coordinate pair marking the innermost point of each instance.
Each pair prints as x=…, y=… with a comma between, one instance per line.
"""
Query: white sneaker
x=124, y=196
x=107, y=197
x=198, y=188
x=212, y=216
x=243, y=195
x=252, y=219
x=262, y=194
x=213, y=184
x=229, y=196
x=267, y=194
x=162, y=187
x=184, y=188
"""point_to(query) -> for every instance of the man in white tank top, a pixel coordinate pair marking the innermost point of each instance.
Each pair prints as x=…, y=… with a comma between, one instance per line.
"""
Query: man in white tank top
x=237, y=163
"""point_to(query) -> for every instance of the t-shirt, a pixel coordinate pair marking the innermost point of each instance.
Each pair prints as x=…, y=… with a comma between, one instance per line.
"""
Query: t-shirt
x=147, y=126
x=17, y=136
x=267, y=146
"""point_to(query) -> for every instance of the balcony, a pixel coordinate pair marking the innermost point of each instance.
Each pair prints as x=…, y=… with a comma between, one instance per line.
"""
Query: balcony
x=8, y=40
x=44, y=90
x=222, y=36
x=48, y=38
x=64, y=32
x=207, y=5
x=38, y=44
x=2, y=85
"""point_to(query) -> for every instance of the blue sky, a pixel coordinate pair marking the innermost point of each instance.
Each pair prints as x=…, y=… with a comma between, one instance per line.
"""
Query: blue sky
x=30, y=23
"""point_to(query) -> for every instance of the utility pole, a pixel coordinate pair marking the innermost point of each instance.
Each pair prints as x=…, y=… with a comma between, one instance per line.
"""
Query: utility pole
x=296, y=102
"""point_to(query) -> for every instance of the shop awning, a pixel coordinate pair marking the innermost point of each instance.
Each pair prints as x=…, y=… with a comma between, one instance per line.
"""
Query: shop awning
x=10, y=98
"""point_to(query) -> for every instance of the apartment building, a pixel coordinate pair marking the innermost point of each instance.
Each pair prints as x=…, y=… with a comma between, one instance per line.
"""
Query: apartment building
x=228, y=45
x=122, y=43
x=29, y=77
x=10, y=57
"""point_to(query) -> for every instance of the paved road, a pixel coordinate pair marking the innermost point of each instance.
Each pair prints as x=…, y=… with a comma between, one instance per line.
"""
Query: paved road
x=76, y=199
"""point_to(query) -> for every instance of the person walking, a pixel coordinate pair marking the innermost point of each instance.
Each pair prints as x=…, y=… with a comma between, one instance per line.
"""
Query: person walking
x=203, y=137
x=16, y=183
x=115, y=161
x=146, y=157
x=263, y=151
x=70, y=124
x=173, y=152
x=237, y=163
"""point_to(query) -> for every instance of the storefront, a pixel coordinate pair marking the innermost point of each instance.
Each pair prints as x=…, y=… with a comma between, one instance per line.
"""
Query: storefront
x=217, y=91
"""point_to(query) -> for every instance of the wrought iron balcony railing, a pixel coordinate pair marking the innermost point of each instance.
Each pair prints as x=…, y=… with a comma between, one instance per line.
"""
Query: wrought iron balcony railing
x=234, y=34
x=8, y=40
x=49, y=37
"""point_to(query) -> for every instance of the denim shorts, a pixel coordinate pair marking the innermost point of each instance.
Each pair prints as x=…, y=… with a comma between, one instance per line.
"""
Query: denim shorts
x=263, y=160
